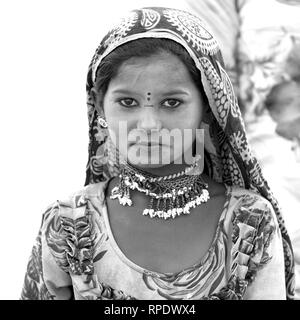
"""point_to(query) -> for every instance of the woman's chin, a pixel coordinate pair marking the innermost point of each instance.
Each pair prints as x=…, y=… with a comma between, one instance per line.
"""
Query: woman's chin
x=149, y=157
x=148, y=166
x=148, y=162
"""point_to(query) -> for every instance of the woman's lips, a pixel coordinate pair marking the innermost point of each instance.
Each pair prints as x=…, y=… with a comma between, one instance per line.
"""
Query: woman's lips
x=147, y=144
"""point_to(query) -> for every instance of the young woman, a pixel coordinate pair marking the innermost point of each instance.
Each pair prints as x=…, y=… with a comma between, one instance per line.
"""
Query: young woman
x=150, y=223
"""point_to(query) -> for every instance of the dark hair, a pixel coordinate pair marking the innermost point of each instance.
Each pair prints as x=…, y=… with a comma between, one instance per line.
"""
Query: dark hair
x=145, y=47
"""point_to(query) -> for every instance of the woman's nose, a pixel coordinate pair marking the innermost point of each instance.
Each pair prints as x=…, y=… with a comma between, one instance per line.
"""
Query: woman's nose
x=149, y=119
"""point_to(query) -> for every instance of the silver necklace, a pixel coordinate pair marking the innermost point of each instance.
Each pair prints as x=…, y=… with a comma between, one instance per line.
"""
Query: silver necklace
x=169, y=196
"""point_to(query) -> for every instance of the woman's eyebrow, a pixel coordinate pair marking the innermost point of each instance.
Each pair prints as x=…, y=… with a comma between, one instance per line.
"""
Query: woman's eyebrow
x=175, y=92
x=165, y=93
x=122, y=91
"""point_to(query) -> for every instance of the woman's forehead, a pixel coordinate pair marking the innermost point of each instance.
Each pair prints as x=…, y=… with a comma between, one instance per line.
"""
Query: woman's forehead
x=163, y=67
x=164, y=59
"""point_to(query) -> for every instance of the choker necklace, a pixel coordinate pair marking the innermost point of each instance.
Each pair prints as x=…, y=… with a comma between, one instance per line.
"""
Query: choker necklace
x=170, y=196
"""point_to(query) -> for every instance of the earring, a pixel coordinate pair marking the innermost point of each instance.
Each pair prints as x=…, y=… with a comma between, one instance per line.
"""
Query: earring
x=102, y=122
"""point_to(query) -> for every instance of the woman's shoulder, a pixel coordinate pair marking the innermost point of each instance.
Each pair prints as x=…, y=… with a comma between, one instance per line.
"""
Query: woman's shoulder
x=94, y=192
x=74, y=203
x=248, y=198
x=72, y=228
x=248, y=207
x=253, y=225
x=74, y=211
x=239, y=199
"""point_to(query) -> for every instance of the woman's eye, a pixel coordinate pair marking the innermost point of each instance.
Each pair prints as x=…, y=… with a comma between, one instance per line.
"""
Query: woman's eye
x=171, y=103
x=128, y=102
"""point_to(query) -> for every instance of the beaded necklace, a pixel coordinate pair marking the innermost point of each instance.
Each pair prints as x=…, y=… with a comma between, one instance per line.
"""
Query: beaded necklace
x=170, y=196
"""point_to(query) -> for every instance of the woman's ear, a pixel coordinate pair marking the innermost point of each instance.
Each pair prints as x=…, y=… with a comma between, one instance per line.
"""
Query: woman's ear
x=206, y=114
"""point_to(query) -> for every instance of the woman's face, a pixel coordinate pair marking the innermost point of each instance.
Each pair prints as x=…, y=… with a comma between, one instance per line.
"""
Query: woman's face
x=152, y=108
x=285, y=103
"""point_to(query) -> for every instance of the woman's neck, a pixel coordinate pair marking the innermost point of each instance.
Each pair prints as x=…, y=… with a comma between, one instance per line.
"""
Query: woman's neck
x=164, y=170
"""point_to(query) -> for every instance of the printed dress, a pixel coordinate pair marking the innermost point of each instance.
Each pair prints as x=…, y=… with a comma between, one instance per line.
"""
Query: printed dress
x=77, y=257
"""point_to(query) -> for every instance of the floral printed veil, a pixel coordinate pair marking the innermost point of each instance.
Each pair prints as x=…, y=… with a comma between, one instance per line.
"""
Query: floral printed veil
x=230, y=157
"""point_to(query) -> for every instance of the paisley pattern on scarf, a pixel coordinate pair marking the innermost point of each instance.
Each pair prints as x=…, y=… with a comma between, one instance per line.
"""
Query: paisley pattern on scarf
x=193, y=29
x=217, y=91
x=150, y=18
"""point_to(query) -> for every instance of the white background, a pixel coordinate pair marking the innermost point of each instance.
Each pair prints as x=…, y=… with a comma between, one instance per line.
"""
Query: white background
x=45, y=49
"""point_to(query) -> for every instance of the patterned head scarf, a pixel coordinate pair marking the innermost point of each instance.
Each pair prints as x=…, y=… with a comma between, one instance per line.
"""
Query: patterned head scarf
x=225, y=140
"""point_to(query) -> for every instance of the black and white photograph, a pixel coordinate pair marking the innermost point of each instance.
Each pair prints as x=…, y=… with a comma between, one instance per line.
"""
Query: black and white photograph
x=151, y=152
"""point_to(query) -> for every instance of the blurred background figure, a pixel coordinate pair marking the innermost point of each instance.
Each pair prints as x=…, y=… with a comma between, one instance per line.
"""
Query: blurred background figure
x=292, y=63
x=260, y=41
x=283, y=104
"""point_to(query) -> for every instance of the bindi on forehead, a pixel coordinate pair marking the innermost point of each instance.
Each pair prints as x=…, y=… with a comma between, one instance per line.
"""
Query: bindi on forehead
x=148, y=99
